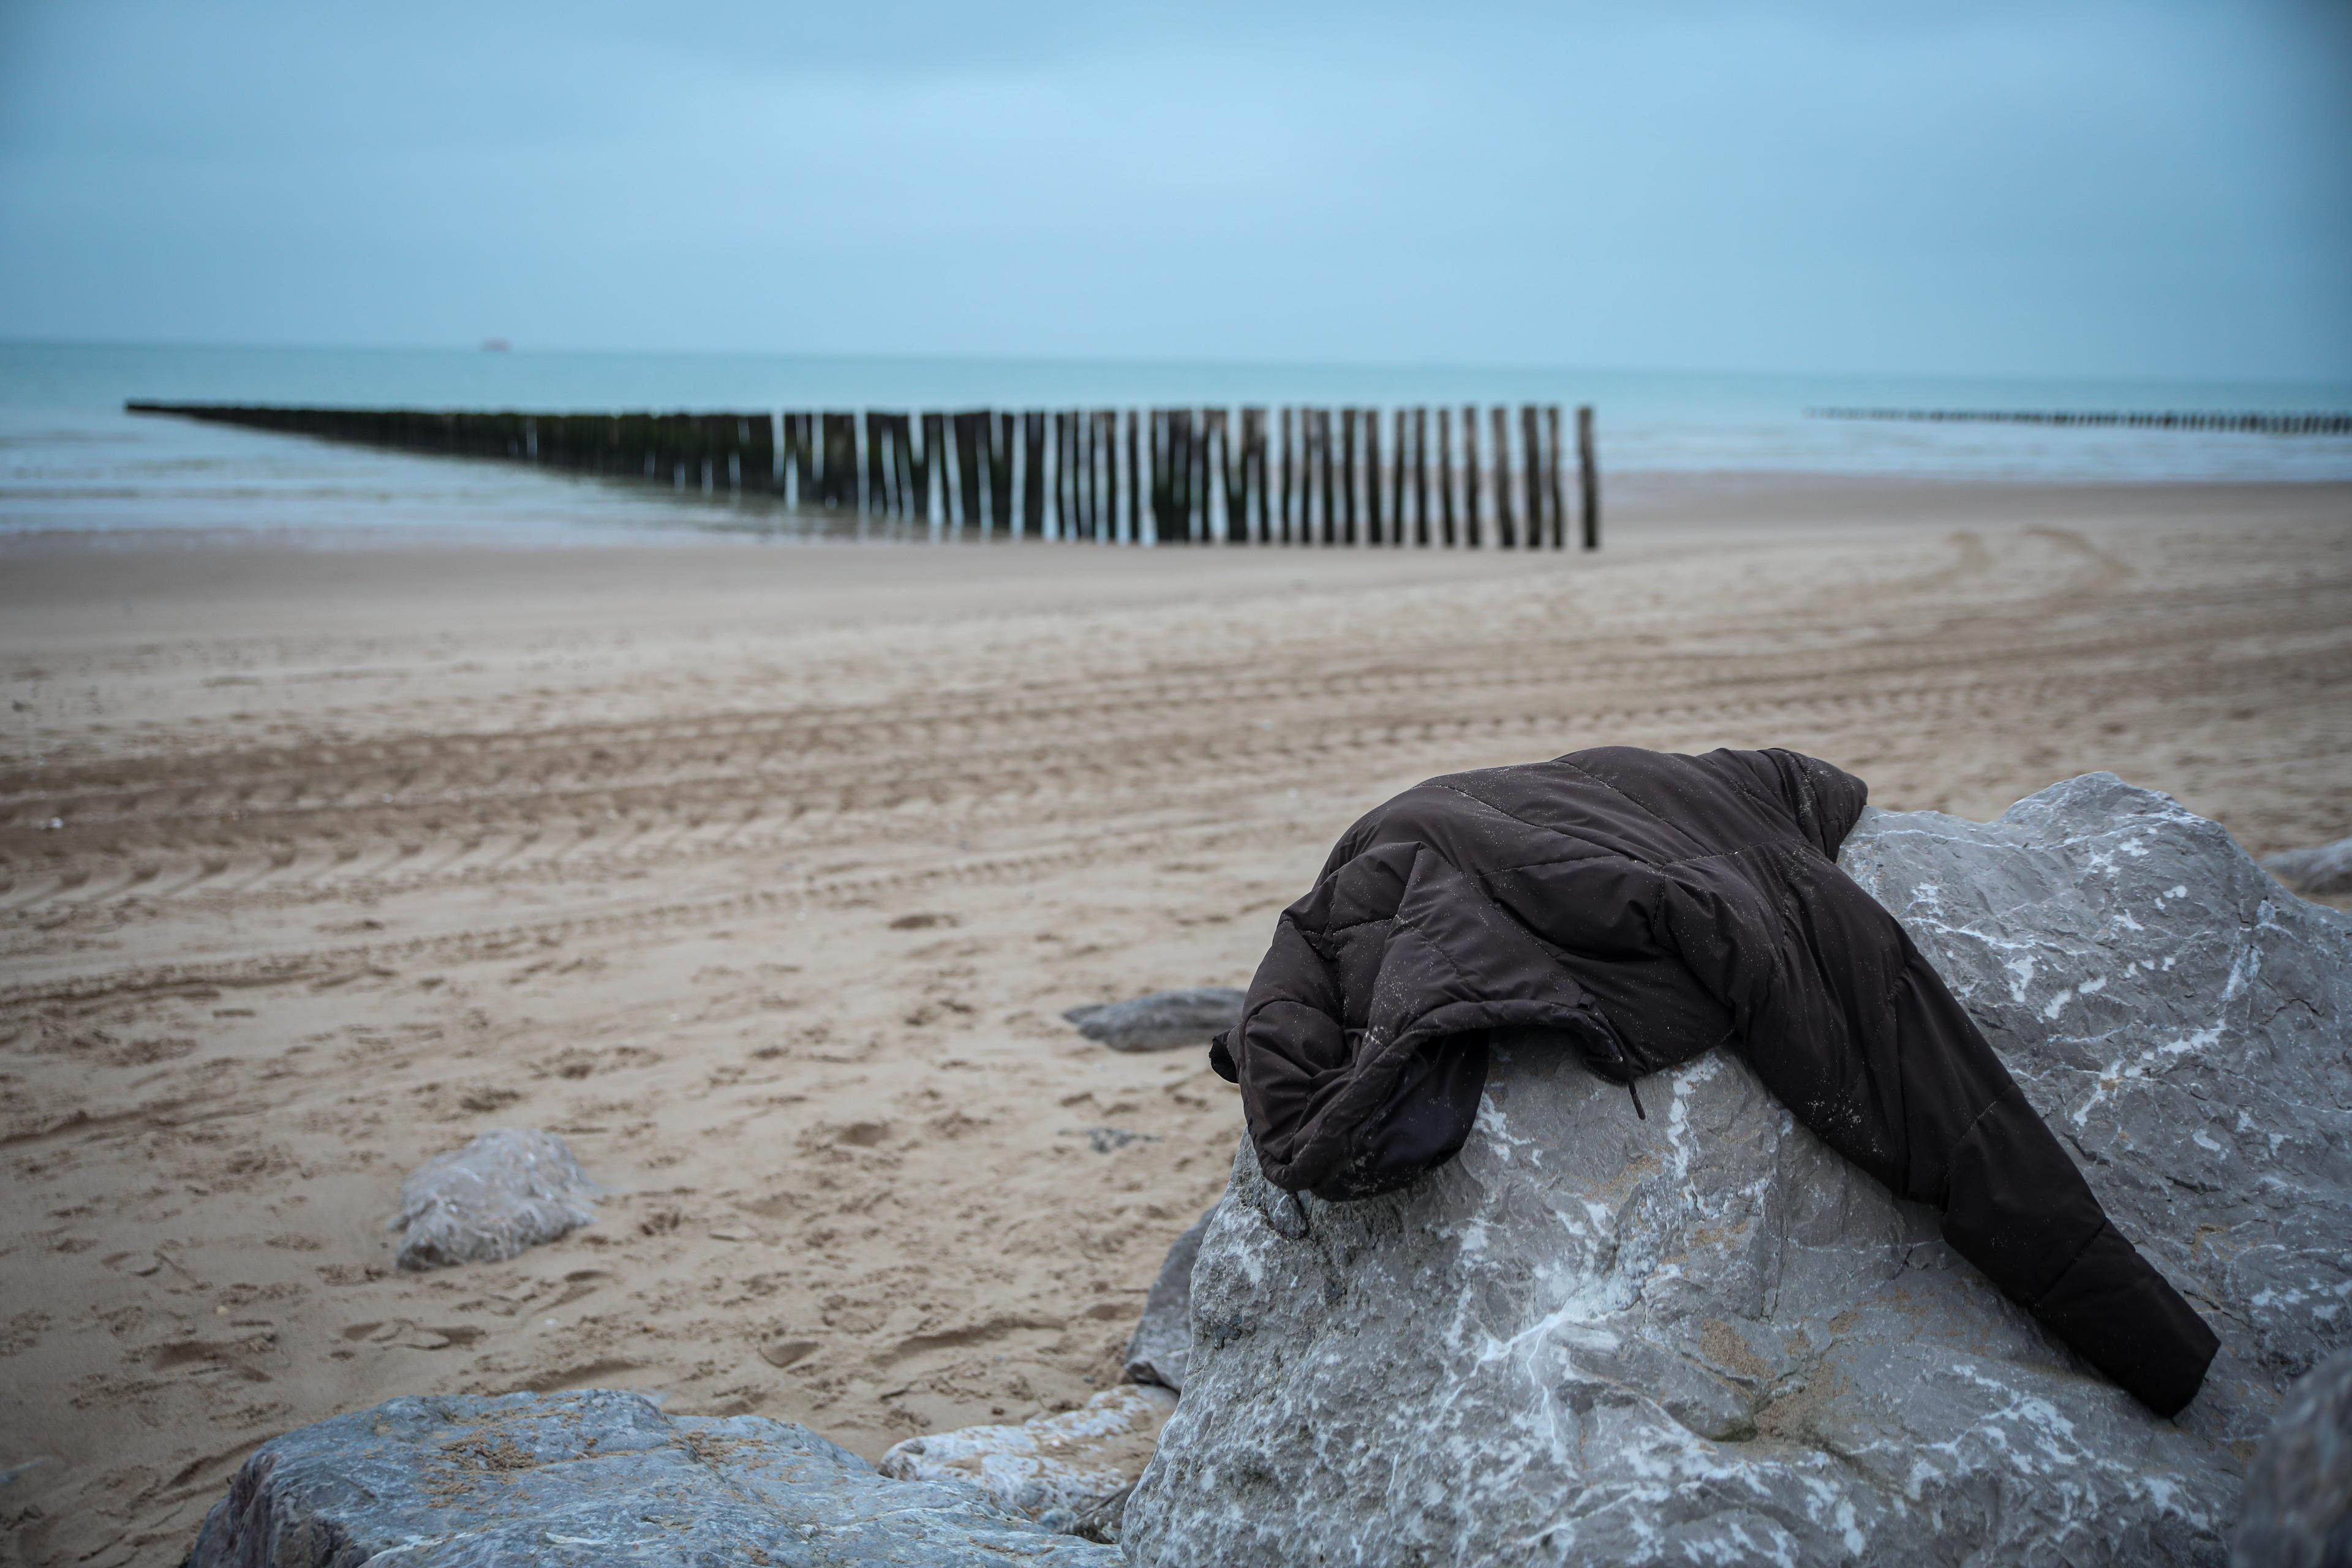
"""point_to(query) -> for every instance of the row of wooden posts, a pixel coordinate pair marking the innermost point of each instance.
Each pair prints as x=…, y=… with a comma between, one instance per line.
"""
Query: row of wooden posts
x=1162, y=476
x=2201, y=419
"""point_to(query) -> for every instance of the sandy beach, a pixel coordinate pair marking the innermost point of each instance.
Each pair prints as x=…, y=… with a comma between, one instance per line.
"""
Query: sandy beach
x=762, y=875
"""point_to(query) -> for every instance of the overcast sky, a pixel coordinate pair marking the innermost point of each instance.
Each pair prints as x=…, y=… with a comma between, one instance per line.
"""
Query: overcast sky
x=2042, y=188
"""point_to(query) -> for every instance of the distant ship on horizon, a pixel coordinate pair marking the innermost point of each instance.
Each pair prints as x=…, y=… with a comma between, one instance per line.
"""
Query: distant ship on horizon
x=496, y=345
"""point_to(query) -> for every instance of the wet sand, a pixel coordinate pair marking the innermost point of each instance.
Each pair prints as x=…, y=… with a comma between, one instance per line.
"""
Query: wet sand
x=762, y=875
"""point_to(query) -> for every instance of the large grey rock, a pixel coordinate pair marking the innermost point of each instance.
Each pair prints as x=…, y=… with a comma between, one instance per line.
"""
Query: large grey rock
x=2323, y=871
x=2298, y=1504
x=1162, y=1341
x=589, y=1478
x=1054, y=1468
x=1706, y=1338
x=506, y=1190
x=1163, y=1021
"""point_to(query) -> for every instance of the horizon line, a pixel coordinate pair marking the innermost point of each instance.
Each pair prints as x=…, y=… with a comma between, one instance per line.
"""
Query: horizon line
x=480, y=348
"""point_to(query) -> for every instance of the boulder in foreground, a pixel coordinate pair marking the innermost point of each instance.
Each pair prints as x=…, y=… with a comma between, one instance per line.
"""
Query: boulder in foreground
x=1053, y=1469
x=572, y=1481
x=508, y=1189
x=2298, y=1511
x=1163, y=1021
x=1706, y=1337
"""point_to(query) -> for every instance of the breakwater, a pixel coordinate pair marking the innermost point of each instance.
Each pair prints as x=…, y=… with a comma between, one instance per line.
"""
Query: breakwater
x=1138, y=476
x=2312, y=423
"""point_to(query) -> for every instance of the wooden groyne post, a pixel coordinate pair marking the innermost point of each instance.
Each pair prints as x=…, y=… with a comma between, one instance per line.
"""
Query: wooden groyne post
x=1348, y=534
x=1529, y=491
x=1588, y=477
x=1472, y=481
x=1447, y=523
x=1507, y=528
x=1551, y=476
x=1421, y=473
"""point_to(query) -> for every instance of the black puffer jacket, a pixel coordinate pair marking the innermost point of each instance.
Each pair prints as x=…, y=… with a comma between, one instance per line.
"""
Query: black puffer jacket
x=1640, y=907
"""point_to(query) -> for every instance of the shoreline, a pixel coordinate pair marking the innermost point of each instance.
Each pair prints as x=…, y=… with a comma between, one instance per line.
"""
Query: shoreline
x=89, y=589
x=1649, y=498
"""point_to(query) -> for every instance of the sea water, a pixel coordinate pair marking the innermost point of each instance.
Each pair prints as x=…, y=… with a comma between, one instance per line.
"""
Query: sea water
x=72, y=460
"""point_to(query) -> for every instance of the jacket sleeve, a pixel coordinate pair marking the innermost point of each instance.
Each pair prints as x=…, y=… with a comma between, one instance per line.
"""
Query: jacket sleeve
x=1846, y=1022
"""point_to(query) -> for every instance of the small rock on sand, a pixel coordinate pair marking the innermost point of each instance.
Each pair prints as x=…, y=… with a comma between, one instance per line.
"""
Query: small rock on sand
x=506, y=1190
x=1165, y=1020
x=2323, y=871
x=1055, y=1468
